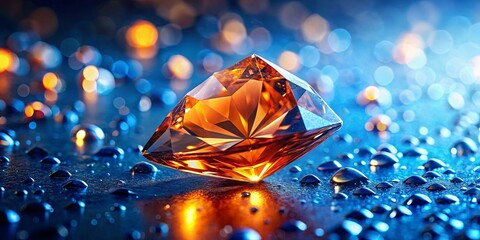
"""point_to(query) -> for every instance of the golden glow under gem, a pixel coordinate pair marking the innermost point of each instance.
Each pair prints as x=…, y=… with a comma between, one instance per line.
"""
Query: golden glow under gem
x=188, y=214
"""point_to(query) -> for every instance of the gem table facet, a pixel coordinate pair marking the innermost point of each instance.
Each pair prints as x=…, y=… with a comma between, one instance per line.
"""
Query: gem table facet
x=244, y=123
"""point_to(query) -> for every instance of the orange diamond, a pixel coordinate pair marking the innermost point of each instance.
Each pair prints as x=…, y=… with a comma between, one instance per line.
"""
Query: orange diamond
x=244, y=123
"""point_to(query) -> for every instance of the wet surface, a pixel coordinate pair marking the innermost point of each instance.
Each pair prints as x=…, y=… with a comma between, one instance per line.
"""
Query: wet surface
x=404, y=164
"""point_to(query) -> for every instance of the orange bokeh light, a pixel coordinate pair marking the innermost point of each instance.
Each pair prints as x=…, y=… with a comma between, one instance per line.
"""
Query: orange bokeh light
x=371, y=93
x=408, y=48
x=90, y=73
x=89, y=86
x=142, y=34
x=50, y=81
x=29, y=111
x=289, y=60
x=180, y=67
x=7, y=60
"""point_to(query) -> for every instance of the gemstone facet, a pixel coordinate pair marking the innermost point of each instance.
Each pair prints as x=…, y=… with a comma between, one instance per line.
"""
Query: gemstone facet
x=244, y=123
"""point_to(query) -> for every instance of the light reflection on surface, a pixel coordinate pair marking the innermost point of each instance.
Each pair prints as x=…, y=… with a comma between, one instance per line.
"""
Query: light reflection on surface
x=205, y=213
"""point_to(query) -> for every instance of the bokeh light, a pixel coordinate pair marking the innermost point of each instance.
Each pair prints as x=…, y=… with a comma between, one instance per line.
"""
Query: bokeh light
x=8, y=61
x=180, y=67
x=142, y=34
x=289, y=60
x=97, y=80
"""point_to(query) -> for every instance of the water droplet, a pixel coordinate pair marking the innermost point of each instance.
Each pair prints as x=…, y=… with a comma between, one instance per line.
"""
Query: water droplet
x=340, y=196
x=245, y=234
x=428, y=140
x=455, y=225
x=87, y=133
x=39, y=192
x=123, y=192
x=431, y=175
x=28, y=181
x=310, y=180
x=329, y=166
x=386, y=147
x=4, y=160
x=456, y=180
x=363, y=191
x=348, y=176
x=21, y=193
x=6, y=143
x=144, y=168
x=75, y=185
x=294, y=226
x=415, y=180
x=365, y=151
x=50, y=161
x=383, y=159
x=447, y=199
x=449, y=171
x=383, y=185
x=60, y=174
x=410, y=140
x=400, y=211
x=433, y=163
x=37, y=153
x=110, y=152
x=346, y=229
x=417, y=199
x=464, y=147
x=382, y=208
x=360, y=215
x=345, y=156
x=436, y=187
x=379, y=226
x=295, y=169
x=9, y=132
x=436, y=217
x=8, y=217
x=473, y=192
x=415, y=152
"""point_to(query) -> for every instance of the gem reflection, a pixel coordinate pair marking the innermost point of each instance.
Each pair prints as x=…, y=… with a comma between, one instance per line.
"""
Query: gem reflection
x=198, y=212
